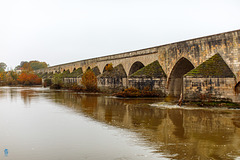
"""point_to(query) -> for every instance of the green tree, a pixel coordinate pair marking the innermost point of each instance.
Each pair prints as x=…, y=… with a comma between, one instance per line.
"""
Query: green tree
x=38, y=65
x=21, y=65
x=31, y=65
x=3, y=66
x=57, y=79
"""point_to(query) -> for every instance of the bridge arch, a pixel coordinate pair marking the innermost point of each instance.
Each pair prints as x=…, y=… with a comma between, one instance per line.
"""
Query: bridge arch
x=107, y=65
x=237, y=88
x=135, y=67
x=175, y=80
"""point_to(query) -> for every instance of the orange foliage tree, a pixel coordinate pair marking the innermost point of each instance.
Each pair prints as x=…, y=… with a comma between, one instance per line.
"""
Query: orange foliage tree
x=89, y=80
x=2, y=78
x=108, y=67
x=29, y=79
x=27, y=67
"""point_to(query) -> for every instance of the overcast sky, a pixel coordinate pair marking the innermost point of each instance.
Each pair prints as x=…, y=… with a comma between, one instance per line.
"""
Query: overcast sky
x=61, y=31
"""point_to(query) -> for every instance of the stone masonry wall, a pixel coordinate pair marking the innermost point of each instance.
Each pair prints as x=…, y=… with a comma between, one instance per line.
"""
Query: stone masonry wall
x=152, y=83
x=208, y=88
x=109, y=83
x=72, y=80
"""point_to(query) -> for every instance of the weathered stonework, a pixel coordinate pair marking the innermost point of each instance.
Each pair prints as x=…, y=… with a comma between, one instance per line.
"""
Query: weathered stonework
x=113, y=80
x=72, y=80
x=195, y=89
x=211, y=80
x=195, y=51
x=152, y=83
x=111, y=83
x=151, y=76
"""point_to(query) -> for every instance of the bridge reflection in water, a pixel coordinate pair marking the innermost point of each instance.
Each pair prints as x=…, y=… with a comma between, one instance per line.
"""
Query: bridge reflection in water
x=181, y=133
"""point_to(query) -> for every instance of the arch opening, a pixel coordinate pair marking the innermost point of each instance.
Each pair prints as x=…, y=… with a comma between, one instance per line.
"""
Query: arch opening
x=108, y=67
x=104, y=69
x=135, y=67
x=175, y=81
x=237, y=88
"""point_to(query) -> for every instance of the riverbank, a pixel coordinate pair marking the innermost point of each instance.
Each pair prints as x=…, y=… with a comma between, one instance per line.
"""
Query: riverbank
x=136, y=93
x=146, y=93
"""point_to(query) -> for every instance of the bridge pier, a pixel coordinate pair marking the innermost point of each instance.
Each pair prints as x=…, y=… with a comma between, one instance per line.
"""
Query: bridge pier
x=176, y=60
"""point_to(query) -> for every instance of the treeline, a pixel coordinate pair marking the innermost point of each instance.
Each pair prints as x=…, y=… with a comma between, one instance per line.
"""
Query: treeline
x=22, y=75
x=31, y=65
x=23, y=78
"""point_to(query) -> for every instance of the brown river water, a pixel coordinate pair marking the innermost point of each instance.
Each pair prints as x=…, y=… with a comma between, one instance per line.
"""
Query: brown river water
x=42, y=124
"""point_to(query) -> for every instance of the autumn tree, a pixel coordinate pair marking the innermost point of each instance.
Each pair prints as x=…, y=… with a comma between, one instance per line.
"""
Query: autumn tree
x=2, y=78
x=31, y=65
x=27, y=67
x=13, y=74
x=108, y=67
x=26, y=78
x=11, y=78
x=89, y=80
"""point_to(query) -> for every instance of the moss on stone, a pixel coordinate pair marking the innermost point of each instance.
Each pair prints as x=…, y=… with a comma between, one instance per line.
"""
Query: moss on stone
x=75, y=74
x=96, y=71
x=214, y=67
x=47, y=75
x=116, y=72
x=153, y=70
x=65, y=74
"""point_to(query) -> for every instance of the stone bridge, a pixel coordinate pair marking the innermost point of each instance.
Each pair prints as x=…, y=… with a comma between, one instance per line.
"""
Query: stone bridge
x=177, y=59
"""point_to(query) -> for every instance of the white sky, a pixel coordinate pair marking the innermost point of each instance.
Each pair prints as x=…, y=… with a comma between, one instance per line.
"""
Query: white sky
x=61, y=31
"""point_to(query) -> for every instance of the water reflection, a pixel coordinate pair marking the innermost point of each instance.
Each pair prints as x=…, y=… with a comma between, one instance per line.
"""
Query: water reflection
x=178, y=133
x=181, y=133
x=27, y=93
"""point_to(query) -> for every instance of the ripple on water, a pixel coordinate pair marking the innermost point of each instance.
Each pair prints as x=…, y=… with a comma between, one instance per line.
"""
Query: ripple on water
x=167, y=105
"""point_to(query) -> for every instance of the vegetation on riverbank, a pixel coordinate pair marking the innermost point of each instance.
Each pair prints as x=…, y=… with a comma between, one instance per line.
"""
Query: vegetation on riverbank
x=134, y=93
x=88, y=81
x=22, y=75
x=23, y=78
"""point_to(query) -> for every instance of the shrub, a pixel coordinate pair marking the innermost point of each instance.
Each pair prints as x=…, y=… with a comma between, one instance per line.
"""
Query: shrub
x=75, y=87
x=55, y=86
x=89, y=80
x=57, y=79
x=134, y=92
x=47, y=82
